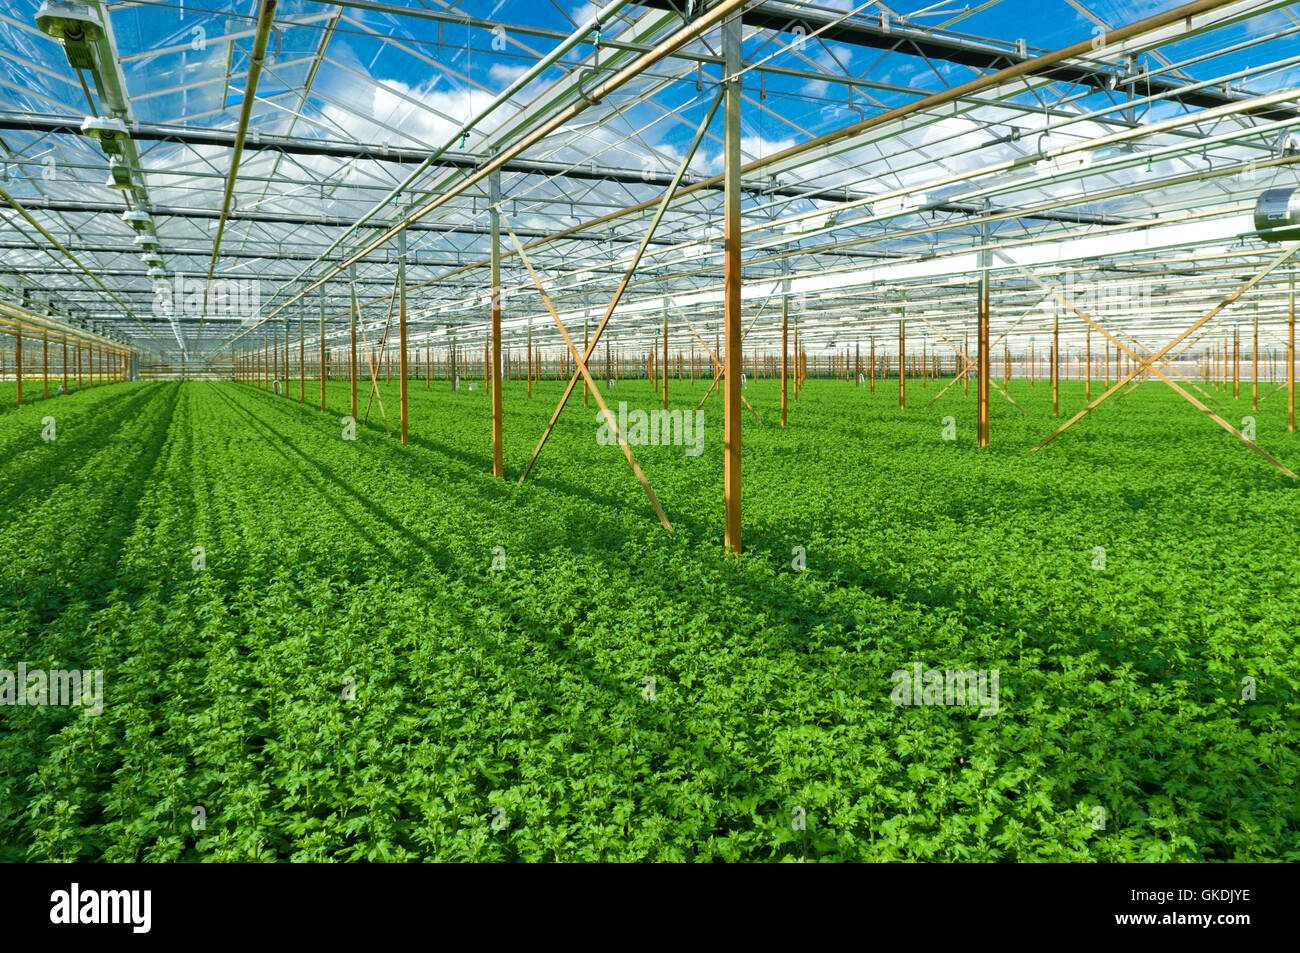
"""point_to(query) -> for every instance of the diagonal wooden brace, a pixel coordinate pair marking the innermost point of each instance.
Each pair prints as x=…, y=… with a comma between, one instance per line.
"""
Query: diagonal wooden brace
x=581, y=363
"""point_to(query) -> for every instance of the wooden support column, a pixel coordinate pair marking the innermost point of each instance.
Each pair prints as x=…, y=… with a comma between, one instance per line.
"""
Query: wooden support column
x=494, y=199
x=982, y=382
x=1254, y=365
x=902, y=364
x=353, y=315
x=796, y=358
x=1290, y=358
x=1056, y=362
x=785, y=329
x=965, y=350
x=1236, y=363
x=320, y=297
x=403, y=367
x=731, y=51
x=665, y=374
x=1087, y=364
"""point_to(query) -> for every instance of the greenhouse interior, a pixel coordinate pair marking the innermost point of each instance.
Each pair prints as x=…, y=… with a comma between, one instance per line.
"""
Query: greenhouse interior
x=650, y=430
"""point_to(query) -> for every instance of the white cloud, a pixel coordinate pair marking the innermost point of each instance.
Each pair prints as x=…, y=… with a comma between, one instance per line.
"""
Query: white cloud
x=505, y=74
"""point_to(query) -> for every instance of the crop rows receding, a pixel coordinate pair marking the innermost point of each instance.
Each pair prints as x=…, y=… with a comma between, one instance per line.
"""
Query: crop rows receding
x=348, y=677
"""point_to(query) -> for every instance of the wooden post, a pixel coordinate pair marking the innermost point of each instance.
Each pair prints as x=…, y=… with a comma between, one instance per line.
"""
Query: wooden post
x=1290, y=358
x=1254, y=365
x=1087, y=364
x=902, y=366
x=494, y=197
x=665, y=374
x=1236, y=362
x=785, y=330
x=731, y=50
x=982, y=383
x=1056, y=362
x=402, y=364
x=796, y=358
x=353, y=317
x=320, y=297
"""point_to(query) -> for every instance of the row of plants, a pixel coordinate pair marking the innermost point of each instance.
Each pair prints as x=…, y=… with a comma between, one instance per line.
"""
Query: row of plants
x=317, y=648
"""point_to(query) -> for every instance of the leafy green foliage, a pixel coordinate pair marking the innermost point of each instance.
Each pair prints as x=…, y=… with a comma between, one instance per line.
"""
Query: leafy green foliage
x=520, y=695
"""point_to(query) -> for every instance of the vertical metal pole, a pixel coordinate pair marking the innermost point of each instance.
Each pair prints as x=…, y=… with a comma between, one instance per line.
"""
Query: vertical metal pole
x=18, y=363
x=45, y=366
x=873, y=363
x=302, y=357
x=731, y=51
x=530, y=357
x=402, y=364
x=494, y=197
